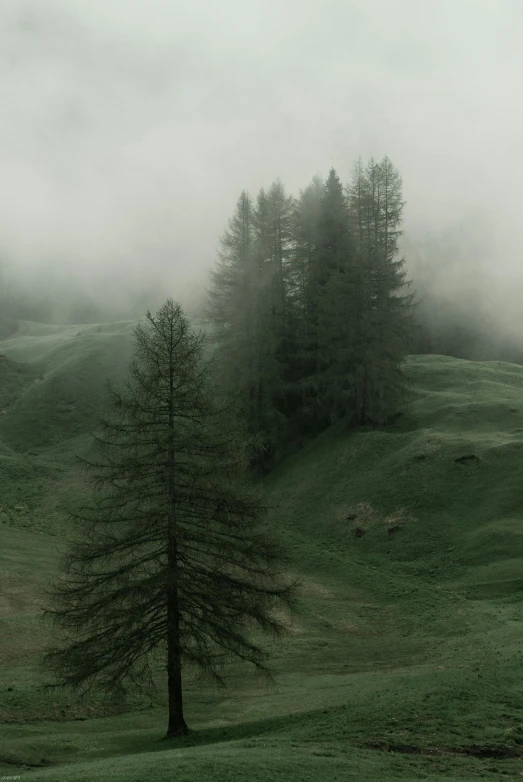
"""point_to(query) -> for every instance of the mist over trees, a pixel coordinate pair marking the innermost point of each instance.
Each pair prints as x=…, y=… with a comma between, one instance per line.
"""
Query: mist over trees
x=464, y=308
x=309, y=305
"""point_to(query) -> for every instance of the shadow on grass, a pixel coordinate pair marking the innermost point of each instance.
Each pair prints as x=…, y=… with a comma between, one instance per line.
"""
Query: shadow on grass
x=242, y=731
x=337, y=724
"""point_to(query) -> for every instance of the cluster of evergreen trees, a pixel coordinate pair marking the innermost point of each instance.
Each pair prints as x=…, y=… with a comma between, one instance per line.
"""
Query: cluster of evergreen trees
x=310, y=315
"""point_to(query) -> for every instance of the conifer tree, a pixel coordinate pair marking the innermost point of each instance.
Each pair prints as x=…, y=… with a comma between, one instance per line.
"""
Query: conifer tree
x=248, y=304
x=330, y=275
x=305, y=240
x=235, y=309
x=333, y=229
x=261, y=414
x=280, y=214
x=282, y=326
x=302, y=261
x=383, y=311
x=173, y=561
x=337, y=337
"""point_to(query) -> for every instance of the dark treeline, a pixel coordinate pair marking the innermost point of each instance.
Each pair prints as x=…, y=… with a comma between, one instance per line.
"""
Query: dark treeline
x=310, y=309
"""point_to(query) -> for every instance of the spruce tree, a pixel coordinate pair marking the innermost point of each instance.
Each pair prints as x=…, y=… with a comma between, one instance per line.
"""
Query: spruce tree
x=229, y=296
x=263, y=418
x=281, y=314
x=305, y=240
x=280, y=215
x=235, y=310
x=302, y=261
x=382, y=323
x=337, y=338
x=248, y=311
x=173, y=561
x=331, y=267
x=333, y=229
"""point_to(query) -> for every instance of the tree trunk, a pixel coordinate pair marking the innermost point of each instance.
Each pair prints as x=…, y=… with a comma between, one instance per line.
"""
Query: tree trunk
x=177, y=725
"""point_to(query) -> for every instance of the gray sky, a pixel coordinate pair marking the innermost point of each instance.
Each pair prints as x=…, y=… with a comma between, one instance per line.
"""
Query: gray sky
x=129, y=127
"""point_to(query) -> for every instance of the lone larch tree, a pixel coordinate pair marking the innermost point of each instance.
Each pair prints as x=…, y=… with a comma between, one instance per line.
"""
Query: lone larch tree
x=173, y=560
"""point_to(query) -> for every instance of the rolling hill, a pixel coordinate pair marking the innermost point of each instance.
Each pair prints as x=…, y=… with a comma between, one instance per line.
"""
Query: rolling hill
x=406, y=659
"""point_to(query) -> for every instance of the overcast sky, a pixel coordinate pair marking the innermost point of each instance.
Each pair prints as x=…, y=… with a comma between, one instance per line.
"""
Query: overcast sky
x=129, y=127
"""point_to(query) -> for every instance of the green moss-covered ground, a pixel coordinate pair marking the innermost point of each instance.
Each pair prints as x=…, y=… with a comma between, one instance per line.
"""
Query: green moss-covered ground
x=405, y=662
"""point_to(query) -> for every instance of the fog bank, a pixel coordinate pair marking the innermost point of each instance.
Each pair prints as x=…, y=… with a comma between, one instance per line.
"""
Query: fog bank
x=130, y=127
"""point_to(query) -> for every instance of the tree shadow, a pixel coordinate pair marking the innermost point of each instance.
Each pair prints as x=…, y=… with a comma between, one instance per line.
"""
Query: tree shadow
x=227, y=733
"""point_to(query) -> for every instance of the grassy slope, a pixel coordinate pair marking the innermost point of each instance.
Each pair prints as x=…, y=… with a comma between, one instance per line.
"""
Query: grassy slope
x=406, y=660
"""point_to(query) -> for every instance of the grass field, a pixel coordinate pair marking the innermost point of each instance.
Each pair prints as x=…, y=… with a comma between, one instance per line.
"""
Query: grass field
x=406, y=660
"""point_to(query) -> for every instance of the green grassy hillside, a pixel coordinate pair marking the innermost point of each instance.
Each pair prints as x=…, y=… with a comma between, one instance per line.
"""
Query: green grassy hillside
x=406, y=660
x=52, y=387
